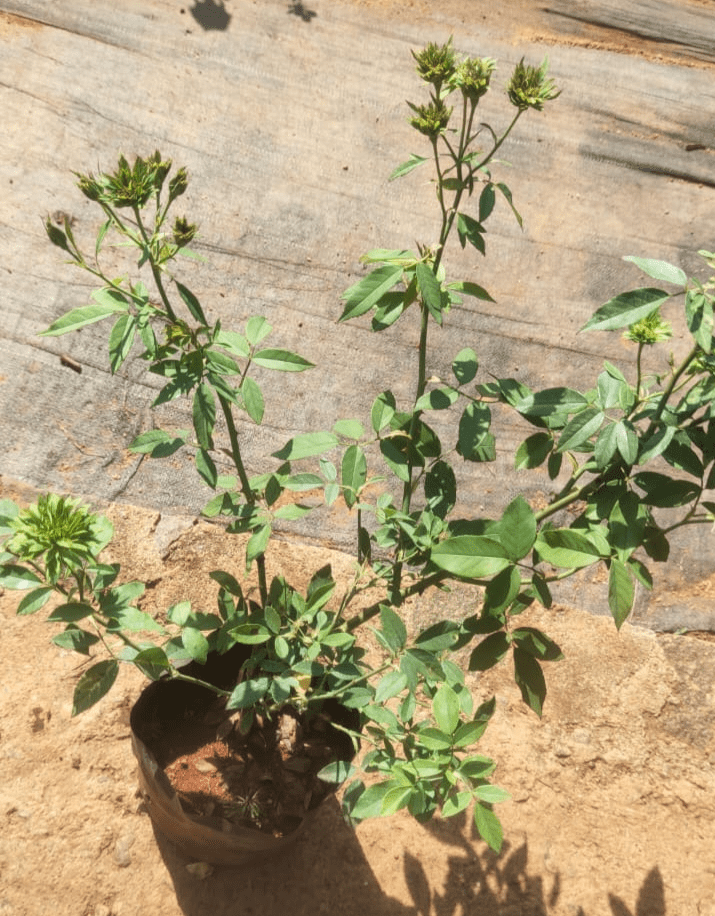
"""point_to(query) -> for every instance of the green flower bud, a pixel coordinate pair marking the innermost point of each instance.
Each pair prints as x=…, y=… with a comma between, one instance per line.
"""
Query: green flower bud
x=430, y=119
x=472, y=77
x=649, y=330
x=89, y=186
x=184, y=231
x=178, y=184
x=160, y=169
x=529, y=86
x=56, y=235
x=436, y=63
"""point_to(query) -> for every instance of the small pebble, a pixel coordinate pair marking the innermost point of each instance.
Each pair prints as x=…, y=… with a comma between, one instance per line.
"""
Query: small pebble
x=122, y=856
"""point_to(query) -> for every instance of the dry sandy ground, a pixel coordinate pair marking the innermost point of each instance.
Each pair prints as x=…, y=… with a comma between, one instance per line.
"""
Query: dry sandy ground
x=613, y=790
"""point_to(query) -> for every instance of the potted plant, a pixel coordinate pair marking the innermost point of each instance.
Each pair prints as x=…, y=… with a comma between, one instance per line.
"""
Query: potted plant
x=617, y=454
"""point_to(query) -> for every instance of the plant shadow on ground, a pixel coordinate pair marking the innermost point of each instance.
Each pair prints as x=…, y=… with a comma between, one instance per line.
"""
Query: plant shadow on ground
x=325, y=872
x=490, y=883
x=328, y=872
x=211, y=15
x=298, y=9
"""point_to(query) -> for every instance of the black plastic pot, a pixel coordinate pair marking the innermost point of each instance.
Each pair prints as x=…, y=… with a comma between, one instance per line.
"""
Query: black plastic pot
x=162, y=706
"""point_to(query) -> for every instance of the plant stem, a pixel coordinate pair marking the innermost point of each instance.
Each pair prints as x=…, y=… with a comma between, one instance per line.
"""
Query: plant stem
x=246, y=488
x=156, y=272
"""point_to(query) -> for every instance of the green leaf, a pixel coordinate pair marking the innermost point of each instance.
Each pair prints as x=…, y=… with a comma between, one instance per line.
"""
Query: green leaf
x=471, y=289
x=152, y=662
x=580, y=429
x=431, y=290
x=406, y=167
x=134, y=620
x=191, y=303
x=469, y=230
x=516, y=530
x=364, y=294
x=488, y=825
x=398, y=797
x=537, y=644
x=549, y=402
x=204, y=415
x=621, y=592
x=353, y=474
x=470, y=556
x=445, y=709
x=434, y=739
x=491, y=794
x=206, y=467
x=233, y=342
x=606, y=445
x=257, y=328
x=349, y=429
x=489, y=652
x=121, y=338
x=337, y=772
x=81, y=317
x=465, y=366
x=533, y=451
x=75, y=640
x=500, y=594
x=441, y=488
x=656, y=444
x=437, y=399
x=94, y=684
x=487, y=199
x=252, y=400
x=281, y=360
x=258, y=542
x=369, y=803
x=248, y=693
x=626, y=309
x=393, y=628
x=473, y=430
x=71, y=612
x=158, y=443
x=307, y=445
x=195, y=644
x=395, y=458
x=530, y=679
x=390, y=685
x=383, y=410
x=659, y=270
x=455, y=803
x=469, y=733
x=507, y=194
x=34, y=600
x=699, y=315
x=565, y=548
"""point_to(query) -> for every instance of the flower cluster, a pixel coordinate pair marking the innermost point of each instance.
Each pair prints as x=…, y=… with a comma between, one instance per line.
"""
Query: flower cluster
x=529, y=87
x=472, y=76
x=130, y=186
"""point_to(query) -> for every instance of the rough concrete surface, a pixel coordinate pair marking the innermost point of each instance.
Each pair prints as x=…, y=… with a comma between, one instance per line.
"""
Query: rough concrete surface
x=290, y=117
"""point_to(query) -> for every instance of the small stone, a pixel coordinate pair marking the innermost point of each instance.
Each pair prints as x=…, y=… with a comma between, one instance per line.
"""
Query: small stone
x=122, y=856
x=200, y=870
x=205, y=766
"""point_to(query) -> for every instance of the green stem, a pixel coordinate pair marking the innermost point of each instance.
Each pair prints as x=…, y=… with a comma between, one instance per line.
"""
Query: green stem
x=156, y=272
x=246, y=488
x=668, y=391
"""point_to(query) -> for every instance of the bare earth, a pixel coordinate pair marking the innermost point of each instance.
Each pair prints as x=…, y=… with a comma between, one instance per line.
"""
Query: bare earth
x=613, y=790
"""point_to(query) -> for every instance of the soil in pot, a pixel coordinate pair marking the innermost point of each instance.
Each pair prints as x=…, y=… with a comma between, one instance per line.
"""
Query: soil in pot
x=263, y=781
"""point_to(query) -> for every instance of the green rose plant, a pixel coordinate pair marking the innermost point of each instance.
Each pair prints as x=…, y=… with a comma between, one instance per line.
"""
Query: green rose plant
x=619, y=455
